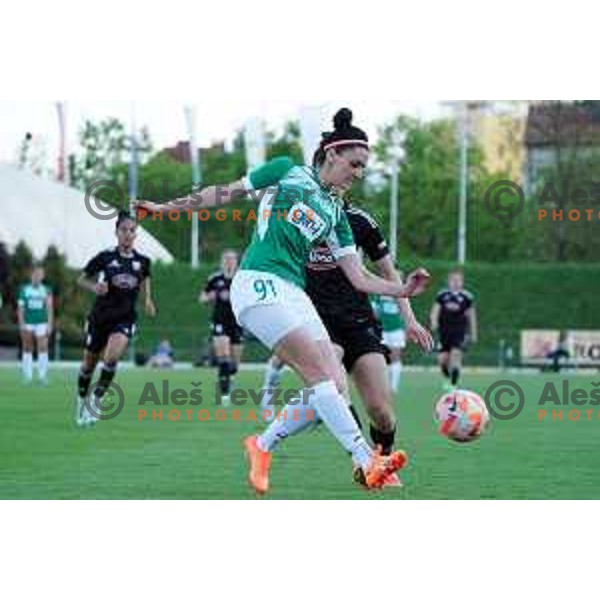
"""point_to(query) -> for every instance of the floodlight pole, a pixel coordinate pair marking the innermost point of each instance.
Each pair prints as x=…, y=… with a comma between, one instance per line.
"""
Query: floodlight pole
x=396, y=154
x=464, y=173
x=190, y=115
x=395, y=169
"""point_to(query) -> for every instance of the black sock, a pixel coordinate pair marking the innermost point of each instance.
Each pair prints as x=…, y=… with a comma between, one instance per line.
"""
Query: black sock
x=107, y=372
x=358, y=472
x=445, y=371
x=454, y=375
x=233, y=369
x=83, y=382
x=356, y=417
x=224, y=376
x=385, y=440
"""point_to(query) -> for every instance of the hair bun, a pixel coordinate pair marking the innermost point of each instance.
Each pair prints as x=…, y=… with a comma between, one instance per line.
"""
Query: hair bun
x=342, y=119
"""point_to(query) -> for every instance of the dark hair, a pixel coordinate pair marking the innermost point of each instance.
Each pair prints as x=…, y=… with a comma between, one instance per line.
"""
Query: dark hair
x=124, y=215
x=344, y=134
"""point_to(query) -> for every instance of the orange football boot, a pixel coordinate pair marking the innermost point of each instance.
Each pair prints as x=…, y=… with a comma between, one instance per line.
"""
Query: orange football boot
x=259, y=463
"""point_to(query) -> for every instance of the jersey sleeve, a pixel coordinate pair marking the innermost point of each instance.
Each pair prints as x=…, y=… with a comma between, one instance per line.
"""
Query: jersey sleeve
x=21, y=296
x=370, y=238
x=440, y=298
x=210, y=284
x=94, y=266
x=269, y=174
x=341, y=240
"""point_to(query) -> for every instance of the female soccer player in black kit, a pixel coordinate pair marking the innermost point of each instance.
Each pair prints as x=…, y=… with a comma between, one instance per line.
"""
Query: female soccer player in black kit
x=116, y=276
x=453, y=315
x=226, y=333
x=355, y=332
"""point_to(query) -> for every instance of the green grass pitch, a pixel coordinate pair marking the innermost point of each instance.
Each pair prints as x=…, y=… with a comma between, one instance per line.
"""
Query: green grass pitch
x=44, y=455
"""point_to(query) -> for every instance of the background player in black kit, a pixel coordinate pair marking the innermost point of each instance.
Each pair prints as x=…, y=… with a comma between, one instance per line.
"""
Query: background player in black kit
x=116, y=276
x=453, y=315
x=226, y=333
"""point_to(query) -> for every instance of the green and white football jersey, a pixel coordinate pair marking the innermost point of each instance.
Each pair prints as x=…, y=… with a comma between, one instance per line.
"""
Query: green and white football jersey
x=294, y=215
x=33, y=300
x=387, y=311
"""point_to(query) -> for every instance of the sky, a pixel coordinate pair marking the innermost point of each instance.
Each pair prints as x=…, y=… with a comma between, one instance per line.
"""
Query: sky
x=216, y=119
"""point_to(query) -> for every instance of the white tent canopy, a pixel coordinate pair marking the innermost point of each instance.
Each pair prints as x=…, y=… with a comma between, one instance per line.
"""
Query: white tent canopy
x=42, y=213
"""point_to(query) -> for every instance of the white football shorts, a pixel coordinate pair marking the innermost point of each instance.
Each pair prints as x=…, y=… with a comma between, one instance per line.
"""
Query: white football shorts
x=38, y=329
x=394, y=339
x=271, y=307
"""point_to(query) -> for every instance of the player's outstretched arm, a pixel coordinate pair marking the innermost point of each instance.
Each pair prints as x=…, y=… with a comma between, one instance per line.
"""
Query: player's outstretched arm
x=365, y=281
x=265, y=177
x=209, y=197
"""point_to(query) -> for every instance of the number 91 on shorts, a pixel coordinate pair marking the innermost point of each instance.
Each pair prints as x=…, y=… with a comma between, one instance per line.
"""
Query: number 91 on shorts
x=270, y=307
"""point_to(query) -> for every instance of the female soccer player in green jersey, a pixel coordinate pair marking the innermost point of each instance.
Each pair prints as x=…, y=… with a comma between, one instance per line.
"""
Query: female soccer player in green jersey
x=299, y=209
x=36, y=321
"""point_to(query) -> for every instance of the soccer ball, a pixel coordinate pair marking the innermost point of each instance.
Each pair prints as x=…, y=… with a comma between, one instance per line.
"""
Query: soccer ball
x=462, y=415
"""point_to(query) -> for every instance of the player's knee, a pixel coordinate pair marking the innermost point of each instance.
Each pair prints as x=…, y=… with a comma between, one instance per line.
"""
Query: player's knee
x=456, y=358
x=111, y=357
x=86, y=369
x=317, y=373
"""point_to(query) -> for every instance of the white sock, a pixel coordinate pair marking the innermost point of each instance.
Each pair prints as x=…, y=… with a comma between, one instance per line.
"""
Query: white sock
x=272, y=375
x=333, y=410
x=42, y=365
x=395, y=370
x=271, y=381
x=27, y=365
x=267, y=409
x=290, y=421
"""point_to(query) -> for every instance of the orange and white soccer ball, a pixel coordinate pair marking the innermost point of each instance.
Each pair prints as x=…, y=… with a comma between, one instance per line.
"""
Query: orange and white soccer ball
x=462, y=415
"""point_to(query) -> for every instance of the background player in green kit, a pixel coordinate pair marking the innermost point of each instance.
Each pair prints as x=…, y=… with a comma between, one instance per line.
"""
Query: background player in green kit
x=302, y=211
x=387, y=311
x=36, y=321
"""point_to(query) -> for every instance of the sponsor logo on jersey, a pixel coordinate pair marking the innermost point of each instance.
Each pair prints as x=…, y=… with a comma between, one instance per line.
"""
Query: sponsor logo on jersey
x=125, y=281
x=321, y=259
x=452, y=306
x=310, y=224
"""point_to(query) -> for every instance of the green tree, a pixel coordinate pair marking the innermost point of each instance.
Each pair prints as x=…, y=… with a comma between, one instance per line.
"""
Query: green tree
x=429, y=193
x=428, y=185
x=104, y=146
x=21, y=262
x=56, y=274
x=288, y=144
